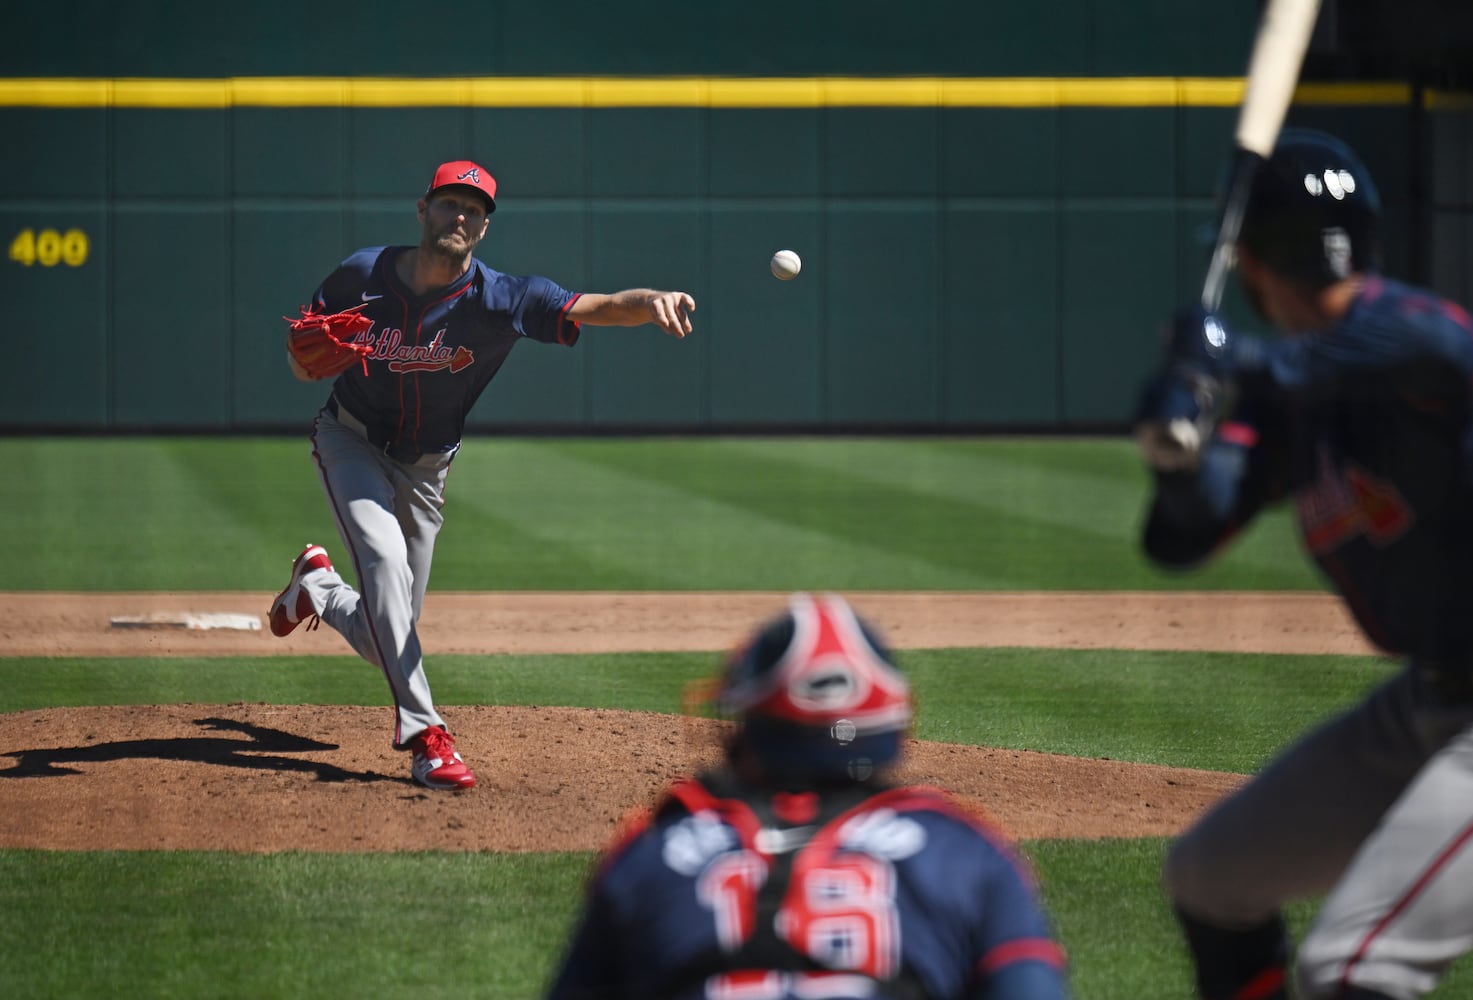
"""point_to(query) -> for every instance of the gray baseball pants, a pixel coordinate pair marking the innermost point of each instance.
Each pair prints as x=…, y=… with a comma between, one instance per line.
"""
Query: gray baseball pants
x=1375, y=808
x=388, y=515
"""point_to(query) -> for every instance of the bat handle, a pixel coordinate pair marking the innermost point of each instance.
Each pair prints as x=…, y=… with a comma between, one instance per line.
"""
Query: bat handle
x=1240, y=184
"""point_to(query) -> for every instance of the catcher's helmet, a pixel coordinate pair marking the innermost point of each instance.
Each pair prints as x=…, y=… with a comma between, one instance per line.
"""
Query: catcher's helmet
x=815, y=694
x=1313, y=213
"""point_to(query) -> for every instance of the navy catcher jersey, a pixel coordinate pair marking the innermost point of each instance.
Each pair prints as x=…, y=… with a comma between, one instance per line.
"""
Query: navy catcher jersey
x=900, y=895
x=434, y=355
x=1368, y=430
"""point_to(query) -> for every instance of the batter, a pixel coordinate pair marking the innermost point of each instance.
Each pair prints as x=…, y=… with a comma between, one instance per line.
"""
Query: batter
x=1363, y=419
x=442, y=325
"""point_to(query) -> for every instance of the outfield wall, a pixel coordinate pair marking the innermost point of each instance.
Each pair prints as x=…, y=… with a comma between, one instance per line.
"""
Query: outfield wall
x=977, y=253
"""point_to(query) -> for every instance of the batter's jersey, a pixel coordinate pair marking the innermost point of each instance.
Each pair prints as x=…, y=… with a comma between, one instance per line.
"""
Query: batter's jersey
x=1368, y=429
x=897, y=895
x=433, y=355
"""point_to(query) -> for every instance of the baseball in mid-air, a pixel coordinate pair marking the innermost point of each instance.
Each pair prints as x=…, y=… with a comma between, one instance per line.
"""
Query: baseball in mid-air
x=786, y=265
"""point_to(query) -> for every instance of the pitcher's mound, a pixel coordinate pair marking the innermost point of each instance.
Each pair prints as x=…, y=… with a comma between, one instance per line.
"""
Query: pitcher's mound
x=254, y=777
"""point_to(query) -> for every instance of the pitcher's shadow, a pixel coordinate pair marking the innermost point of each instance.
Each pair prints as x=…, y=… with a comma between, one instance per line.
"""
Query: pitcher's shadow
x=261, y=751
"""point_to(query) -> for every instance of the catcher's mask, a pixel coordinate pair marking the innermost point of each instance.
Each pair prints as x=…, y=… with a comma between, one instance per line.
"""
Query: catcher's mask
x=815, y=695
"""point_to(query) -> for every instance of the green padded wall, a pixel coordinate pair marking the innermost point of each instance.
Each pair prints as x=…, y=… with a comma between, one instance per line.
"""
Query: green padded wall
x=1452, y=202
x=657, y=37
x=984, y=266
x=57, y=366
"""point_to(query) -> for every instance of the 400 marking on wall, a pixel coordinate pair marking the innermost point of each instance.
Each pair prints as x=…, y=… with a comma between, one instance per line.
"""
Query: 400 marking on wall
x=49, y=248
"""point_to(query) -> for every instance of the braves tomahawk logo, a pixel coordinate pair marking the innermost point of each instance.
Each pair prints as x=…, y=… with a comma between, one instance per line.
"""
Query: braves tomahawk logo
x=1342, y=505
x=471, y=176
x=388, y=345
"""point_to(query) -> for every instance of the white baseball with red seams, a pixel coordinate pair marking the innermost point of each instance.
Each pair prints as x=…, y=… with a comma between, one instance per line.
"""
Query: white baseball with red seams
x=785, y=265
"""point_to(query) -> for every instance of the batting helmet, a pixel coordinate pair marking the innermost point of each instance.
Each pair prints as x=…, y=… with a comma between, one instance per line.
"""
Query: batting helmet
x=815, y=694
x=1313, y=213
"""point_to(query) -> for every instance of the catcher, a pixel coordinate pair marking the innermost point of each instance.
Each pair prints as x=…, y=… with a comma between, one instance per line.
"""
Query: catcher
x=411, y=336
x=797, y=870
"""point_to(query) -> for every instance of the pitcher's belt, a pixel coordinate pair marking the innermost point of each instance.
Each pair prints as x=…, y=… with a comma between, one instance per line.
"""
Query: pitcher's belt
x=384, y=442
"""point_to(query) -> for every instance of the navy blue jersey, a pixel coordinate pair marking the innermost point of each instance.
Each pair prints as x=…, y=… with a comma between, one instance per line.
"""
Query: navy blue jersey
x=433, y=355
x=900, y=894
x=1368, y=430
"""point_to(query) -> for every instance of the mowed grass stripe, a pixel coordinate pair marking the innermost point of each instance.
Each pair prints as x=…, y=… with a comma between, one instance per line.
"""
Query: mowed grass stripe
x=947, y=543
x=157, y=513
x=679, y=515
x=259, y=488
x=979, y=511
x=195, y=924
x=188, y=924
x=594, y=513
x=1216, y=711
x=1095, y=487
x=994, y=474
x=80, y=516
x=225, y=487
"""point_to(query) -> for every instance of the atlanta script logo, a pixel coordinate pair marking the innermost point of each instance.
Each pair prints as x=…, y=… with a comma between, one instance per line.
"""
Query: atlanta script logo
x=388, y=345
x=473, y=175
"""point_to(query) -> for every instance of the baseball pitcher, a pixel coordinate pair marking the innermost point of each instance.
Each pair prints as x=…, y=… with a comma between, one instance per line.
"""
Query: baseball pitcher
x=412, y=335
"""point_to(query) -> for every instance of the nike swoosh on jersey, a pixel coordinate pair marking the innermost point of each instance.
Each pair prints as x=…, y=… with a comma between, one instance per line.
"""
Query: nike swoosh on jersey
x=774, y=841
x=370, y=298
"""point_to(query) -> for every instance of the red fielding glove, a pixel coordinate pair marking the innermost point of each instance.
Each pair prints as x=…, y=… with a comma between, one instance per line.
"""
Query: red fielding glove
x=321, y=343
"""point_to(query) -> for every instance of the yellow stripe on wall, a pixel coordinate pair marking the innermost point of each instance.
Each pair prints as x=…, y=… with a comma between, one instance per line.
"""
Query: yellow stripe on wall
x=670, y=92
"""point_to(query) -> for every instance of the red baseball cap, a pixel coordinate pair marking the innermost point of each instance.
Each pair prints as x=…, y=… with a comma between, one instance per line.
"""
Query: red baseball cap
x=464, y=173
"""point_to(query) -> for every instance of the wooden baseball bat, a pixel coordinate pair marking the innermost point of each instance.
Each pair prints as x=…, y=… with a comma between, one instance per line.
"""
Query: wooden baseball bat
x=1273, y=72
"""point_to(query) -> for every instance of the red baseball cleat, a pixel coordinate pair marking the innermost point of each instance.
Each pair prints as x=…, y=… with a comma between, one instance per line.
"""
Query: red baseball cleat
x=293, y=606
x=436, y=764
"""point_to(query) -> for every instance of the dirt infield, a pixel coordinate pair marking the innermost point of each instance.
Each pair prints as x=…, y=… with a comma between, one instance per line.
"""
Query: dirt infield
x=63, y=624
x=255, y=777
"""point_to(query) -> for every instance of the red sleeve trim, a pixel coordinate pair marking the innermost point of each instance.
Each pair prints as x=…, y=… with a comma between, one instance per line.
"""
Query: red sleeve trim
x=1242, y=434
x=1457, y=314
x=568, y=329
x=1023, y=950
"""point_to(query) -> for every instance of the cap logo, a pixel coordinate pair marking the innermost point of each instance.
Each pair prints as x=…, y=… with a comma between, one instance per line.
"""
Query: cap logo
x=473, y=175
x=1338, y=251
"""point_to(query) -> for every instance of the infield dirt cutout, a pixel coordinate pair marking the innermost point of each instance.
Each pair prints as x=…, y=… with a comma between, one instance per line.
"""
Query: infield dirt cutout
x=258, y=777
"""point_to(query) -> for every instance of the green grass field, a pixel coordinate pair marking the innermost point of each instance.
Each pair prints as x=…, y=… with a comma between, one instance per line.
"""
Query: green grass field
x=618, y=514
x=660, y=514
